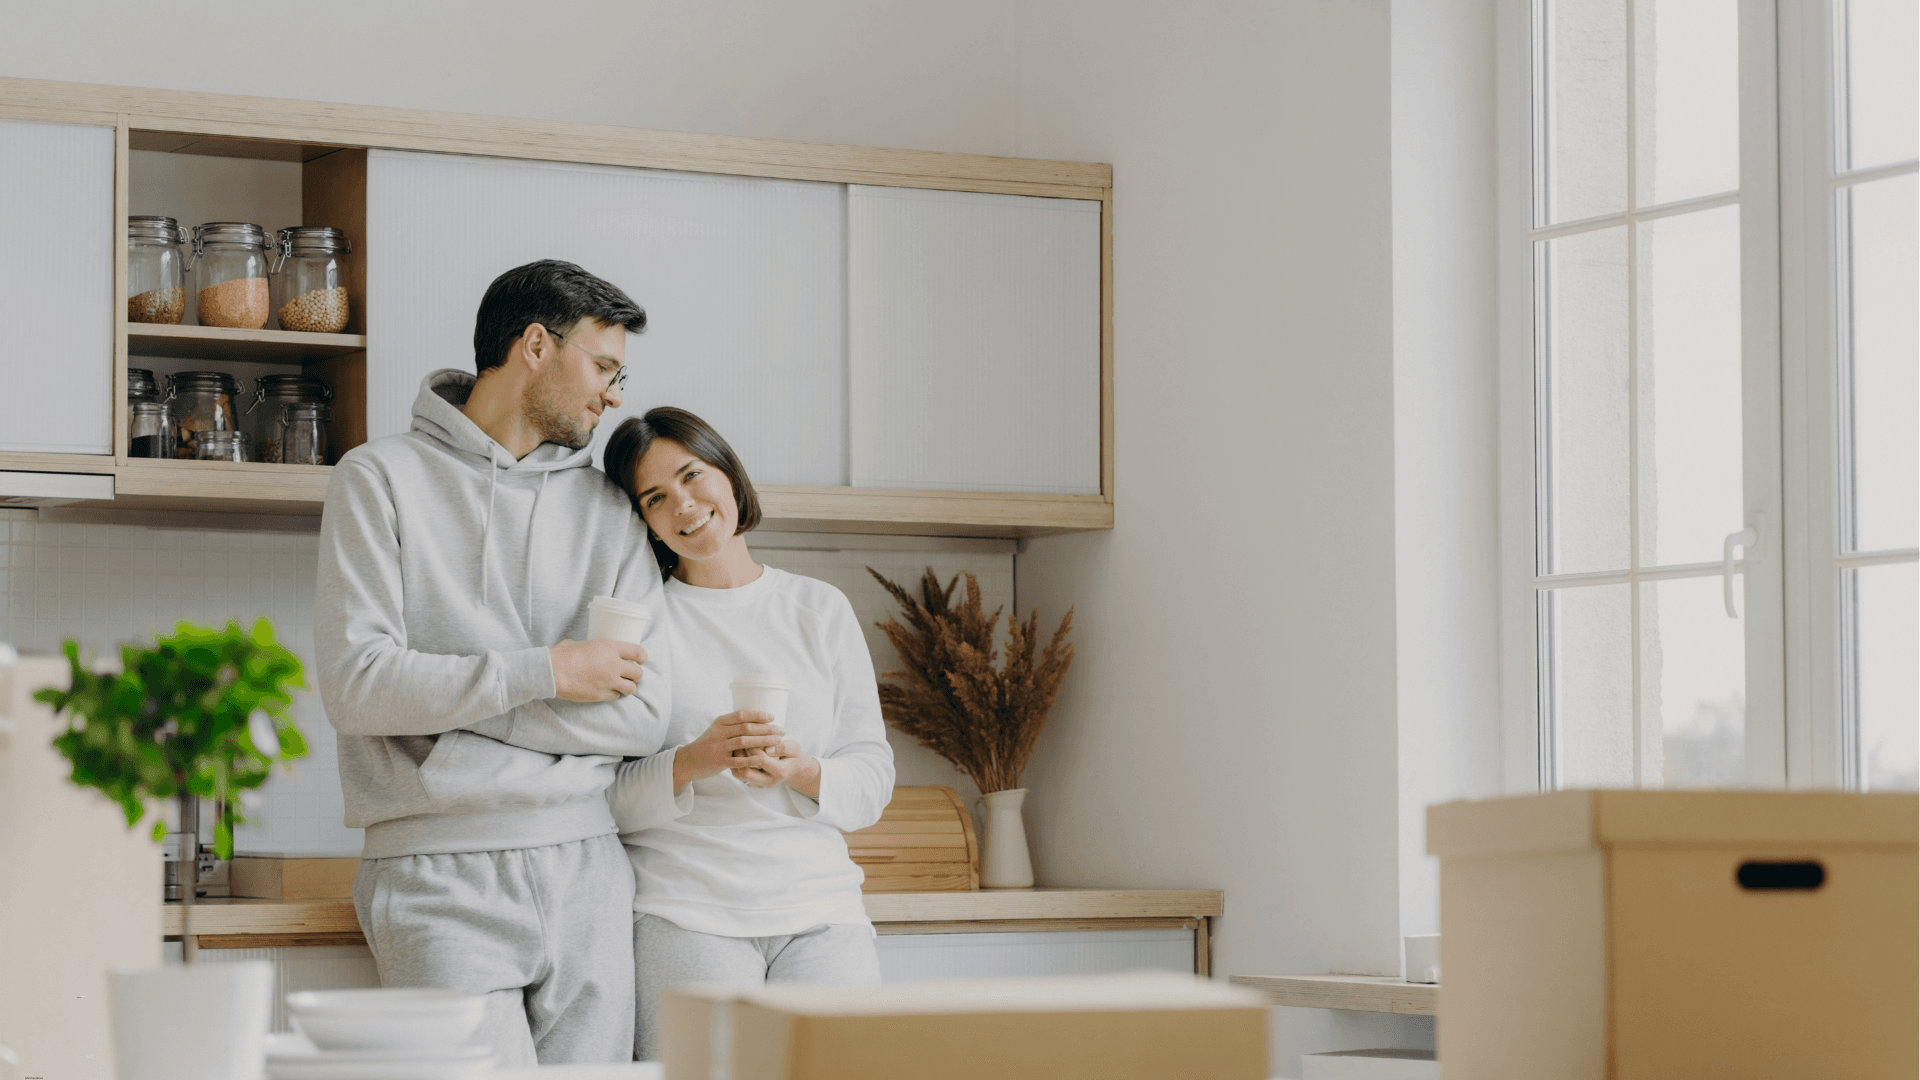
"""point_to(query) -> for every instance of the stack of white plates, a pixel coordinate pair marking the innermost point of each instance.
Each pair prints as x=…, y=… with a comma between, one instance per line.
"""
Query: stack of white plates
x=391, y=1034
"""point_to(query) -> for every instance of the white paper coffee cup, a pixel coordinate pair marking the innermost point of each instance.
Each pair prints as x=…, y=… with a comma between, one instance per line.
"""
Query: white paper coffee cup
x=609, y=619
x=761, y=693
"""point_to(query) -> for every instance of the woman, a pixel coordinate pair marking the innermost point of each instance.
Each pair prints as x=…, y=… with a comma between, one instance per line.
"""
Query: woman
x=743, y=876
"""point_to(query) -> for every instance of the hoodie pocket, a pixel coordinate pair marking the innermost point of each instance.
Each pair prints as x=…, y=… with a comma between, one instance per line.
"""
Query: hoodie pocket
x=467, y=770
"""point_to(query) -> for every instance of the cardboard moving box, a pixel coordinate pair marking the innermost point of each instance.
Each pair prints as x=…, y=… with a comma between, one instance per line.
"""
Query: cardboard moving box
x=1139, y=1026
x=1630, y=934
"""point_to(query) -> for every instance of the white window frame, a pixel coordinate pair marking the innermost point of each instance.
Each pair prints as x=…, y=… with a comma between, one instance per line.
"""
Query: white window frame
x=1771, y=719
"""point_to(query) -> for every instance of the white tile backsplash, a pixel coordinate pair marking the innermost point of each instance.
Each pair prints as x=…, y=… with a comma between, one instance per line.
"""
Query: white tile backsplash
x=105, y=585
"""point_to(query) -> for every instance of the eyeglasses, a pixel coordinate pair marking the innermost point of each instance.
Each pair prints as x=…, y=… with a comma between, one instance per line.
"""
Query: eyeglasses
x=617, y=380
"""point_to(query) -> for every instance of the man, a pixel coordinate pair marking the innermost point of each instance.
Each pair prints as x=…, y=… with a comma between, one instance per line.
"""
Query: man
x=478, y=735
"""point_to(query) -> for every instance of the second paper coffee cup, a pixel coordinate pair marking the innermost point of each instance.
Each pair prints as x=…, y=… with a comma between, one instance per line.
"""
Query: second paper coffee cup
x=609, y=619
x=760, y=693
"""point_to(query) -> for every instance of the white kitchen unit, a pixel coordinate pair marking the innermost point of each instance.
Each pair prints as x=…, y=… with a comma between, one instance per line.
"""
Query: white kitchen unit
x=917, y=957
x=974, y=340
x=56, y=287
x=740, y=277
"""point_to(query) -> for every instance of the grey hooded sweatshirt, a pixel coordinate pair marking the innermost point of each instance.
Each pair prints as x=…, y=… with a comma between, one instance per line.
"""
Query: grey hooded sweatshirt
x=447, y=569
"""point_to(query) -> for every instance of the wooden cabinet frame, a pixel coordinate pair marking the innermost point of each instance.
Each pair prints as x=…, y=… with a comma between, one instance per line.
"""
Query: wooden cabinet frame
x=226, y=124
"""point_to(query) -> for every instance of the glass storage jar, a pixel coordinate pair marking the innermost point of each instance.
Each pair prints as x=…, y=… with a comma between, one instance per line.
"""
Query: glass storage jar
x=303, y=433
x=264, y=414
x=149, y=435
x=157, y=261
x=310, y=279
x=226, y=446
x=140, y=385
x=202, y=403
x=230, y=268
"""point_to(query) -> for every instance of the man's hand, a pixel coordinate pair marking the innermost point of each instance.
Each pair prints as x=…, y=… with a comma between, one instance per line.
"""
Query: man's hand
x=596, y=670
x=712, y=753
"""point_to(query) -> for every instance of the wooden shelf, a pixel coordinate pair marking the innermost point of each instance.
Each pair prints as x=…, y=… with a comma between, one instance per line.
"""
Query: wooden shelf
x=1356, y=993
x=1009, y=909
x=254, y=346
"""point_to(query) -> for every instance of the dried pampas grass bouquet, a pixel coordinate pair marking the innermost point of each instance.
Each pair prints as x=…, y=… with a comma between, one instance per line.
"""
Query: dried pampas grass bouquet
x=952, y=698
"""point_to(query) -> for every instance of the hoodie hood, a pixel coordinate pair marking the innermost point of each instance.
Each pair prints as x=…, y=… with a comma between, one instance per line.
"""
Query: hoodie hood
x=437, y=416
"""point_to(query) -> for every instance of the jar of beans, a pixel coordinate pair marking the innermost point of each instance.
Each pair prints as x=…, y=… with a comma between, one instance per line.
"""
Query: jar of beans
x=230, y=267
x=311, y=279
x=157, y=261
x=202, y=403
x=266, y=413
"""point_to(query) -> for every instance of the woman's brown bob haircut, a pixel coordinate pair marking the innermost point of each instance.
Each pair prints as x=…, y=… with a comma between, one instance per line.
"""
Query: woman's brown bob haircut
x=635, y=434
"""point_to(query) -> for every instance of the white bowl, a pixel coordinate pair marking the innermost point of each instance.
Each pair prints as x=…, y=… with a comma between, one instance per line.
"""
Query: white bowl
x=386, y=1019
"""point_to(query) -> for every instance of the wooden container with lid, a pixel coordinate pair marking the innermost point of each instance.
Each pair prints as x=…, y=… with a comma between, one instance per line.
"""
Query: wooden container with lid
x=923, y=842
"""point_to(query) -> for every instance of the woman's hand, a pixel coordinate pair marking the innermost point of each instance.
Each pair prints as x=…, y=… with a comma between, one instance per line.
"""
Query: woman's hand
x=712, y=753
x=796, y=768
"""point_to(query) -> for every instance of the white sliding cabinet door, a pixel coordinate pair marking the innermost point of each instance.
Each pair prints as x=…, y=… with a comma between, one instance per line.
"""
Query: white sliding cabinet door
x=974, y=341
x=56, y=213
x=741, y=279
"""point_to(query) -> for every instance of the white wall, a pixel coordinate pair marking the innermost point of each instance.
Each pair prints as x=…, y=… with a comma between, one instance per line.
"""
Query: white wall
x=1231, y=722
x=1446, y=520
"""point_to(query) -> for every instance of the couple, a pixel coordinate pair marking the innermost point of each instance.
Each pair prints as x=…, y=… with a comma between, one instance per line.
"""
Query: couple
x=562, y=824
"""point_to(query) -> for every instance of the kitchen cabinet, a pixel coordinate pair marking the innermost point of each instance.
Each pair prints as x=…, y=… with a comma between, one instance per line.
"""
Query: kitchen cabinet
x=800, y=296
x=57, y=287
x=974, y=352
x=740, y=276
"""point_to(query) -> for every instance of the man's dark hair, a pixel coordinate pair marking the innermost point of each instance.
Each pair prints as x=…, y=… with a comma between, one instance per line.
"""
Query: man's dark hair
x=555, y=294
x=629, y=444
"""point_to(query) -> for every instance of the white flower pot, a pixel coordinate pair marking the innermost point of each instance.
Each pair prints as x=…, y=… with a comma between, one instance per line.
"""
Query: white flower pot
x=199, y=1022
x=1004, y=862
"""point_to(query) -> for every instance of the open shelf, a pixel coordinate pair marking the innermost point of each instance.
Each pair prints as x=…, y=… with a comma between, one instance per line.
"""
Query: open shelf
x=256, y=346
x=1356, y=993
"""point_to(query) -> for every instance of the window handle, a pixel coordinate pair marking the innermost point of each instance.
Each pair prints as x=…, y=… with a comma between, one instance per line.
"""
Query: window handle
x=1747, y=539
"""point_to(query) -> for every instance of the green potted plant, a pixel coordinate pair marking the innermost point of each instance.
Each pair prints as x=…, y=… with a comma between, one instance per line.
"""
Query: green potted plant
x=982, y=718
x=202, y=714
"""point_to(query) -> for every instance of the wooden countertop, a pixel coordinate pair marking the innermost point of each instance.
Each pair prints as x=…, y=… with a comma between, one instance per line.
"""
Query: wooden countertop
x=1359, y=993
x=284, y=917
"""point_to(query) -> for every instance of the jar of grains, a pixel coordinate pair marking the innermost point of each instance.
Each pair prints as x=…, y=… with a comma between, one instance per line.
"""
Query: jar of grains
x=149, y=435
x=230, y=266
x=265, y=414
x=226, y=446
x=303, y=433
x=202, y=403
x=157, y=261
x=311, y=279
x=140, y=385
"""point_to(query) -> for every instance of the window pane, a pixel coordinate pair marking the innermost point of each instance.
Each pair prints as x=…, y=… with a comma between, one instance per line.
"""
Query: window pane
x=1583, y=109
x=1882, y=88
x=1693, y=676
x=1690, y=420
x=1687, y=99
x=1884, y=279
x=1887, y=637
x=1590, y=666
x=1585, y=373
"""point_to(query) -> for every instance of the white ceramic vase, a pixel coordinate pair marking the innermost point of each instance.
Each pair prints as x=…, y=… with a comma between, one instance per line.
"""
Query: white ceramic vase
x=198, y=1022
x=1004, y=862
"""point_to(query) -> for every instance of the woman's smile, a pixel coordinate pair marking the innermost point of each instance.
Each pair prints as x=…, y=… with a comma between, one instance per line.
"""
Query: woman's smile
x=698, y=525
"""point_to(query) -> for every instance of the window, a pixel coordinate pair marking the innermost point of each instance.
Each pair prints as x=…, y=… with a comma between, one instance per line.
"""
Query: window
x=1718, y=578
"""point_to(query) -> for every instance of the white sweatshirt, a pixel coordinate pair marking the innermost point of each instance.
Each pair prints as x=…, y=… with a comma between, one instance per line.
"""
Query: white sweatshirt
x=718, y=857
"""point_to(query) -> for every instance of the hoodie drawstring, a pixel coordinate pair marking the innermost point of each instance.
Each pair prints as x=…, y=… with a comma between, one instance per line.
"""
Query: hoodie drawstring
x=486, y=527
x=532, y=533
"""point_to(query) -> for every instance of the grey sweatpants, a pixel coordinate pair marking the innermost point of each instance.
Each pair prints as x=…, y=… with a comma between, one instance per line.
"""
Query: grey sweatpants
x=542, y=932
x=665, y=956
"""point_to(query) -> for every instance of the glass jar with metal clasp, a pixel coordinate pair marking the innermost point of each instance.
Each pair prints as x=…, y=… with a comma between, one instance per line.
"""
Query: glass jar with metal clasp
x=201, y=403
x=157, y=261
x=266, y=414
x=230, y=268
x=310, y=279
